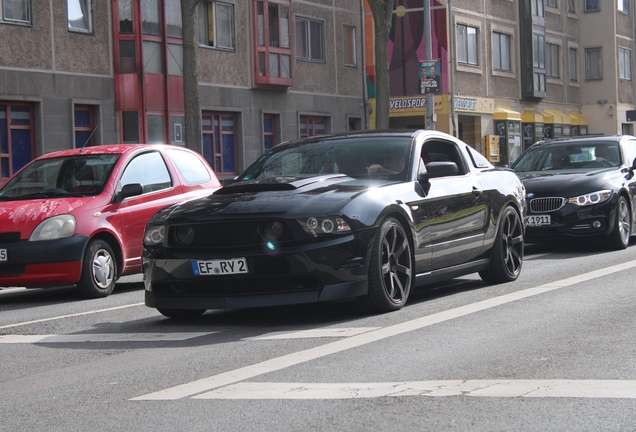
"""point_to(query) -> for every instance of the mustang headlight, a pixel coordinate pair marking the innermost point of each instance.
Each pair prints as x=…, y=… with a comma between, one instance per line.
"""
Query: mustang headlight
x=184, y=235
x=324, y=225
x=154, y=235
x=591, y=198
x=54, y=228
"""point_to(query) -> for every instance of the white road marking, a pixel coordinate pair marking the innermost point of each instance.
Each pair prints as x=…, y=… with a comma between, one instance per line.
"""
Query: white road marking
x=480, y=388
x=278, y=363
x=103, y=337
x=69, y=316
x=314, y=333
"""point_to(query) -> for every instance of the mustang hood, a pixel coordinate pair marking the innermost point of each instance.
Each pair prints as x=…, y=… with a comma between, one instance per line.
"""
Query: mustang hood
x=316, y=195
x=25, y=215
x=566, y=183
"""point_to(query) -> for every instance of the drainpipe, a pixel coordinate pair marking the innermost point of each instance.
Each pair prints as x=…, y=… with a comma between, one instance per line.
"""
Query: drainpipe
x=451, y=51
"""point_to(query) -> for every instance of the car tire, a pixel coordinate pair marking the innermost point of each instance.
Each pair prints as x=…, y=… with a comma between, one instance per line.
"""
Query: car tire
x=390, y=270
x=507, y=252
x=181, y=313
x=99, y=270
x=619, y=237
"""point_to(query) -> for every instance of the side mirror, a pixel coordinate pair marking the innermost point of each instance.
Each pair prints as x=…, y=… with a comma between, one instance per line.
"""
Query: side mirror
x=130, y=190
x=437, y=169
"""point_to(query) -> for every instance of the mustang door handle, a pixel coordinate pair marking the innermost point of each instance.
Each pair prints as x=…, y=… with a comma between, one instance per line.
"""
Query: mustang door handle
x=476, y=192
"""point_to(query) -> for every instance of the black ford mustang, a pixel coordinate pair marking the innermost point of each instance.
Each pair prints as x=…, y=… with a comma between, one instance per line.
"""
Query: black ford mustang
x=364, y=216
x=580, y=187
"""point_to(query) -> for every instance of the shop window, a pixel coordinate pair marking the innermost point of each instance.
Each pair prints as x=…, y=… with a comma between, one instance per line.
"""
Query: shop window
x=467, y=45
x=312, y=126
x=269, y=131
x=625, y=64
x=574, y=75
x=16, y=138
x=272, y=44
x=552, y=61
x=84, y=125
x=15, y=11
x=592, y=5
x=501, y=51
x=80, y=15
x=350, y=49
x=310, y=39
x=593, y=64
x=216, y=24
x=219, y=142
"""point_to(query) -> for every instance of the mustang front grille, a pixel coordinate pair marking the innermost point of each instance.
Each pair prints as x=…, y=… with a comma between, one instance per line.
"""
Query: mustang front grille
x=542, y=205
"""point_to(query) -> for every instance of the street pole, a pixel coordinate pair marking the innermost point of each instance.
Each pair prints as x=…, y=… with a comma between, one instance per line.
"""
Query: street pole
x=430, y=97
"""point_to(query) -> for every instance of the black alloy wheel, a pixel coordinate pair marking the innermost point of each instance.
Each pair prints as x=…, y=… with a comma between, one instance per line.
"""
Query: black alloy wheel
x=390, y=271
x=619, y=237
x=507, y=252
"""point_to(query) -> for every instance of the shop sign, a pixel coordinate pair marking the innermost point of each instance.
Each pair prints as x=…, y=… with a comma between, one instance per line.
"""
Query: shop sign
x=474, y=104
x=414, y=103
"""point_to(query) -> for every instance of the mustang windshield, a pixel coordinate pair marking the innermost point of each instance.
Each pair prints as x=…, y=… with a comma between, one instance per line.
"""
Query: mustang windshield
x=368, y=157
x=588, y=157
x=60, y=177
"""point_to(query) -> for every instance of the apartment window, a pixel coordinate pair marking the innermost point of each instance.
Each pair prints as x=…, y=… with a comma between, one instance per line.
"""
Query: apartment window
x=571, y=6
x=355, y=124
x=130, y=127
x=537, y=8
x=592, y=5
x=551, y=3
x=269, y=131
x=15, y=11
x=272, y=42
x=127, y=56
x=125, y=10
x=219, y=142
x=593, y=64
x=174, y=24
x=623, y=6
x=350, y=51
x=150, y=17
x=625, y=63
x=574, y=76
x=312, y=126
x=16, y=137
x=216, y=24
x=552, y=61
x=80, y=15
x=84, y=126
x=310, y=39
x=467, y=45
x=501, y=51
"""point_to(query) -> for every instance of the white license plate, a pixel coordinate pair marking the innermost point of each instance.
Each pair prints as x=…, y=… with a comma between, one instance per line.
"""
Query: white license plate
x=3, y=255
x=219, y=267
x=538, y=220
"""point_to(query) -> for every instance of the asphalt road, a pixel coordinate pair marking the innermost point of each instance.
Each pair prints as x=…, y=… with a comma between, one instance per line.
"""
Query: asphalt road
x=555, y=350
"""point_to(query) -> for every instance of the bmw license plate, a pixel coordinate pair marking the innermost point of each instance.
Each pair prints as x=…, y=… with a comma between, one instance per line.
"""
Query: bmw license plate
x=538, y=220
x=220, y=267
x=3, y=255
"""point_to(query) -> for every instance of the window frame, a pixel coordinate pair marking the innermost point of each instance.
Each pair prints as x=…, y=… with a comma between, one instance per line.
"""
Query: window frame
x=551, y=3
x=588, y=6
x=624, y=73
x=270, y=133
x=211, y=11
x=84, y=128
x=10, y=126
x=624, y=6
x=265, y=49
x=298, y=19
x=311, y=121
x=588, y=51
x=350, y=46
x=214, y=155
x=498, y=35
x=29, y=12
x=571, y=6
x=467, y=45
x=552, y=61
x=573, y=64
x=87, y=15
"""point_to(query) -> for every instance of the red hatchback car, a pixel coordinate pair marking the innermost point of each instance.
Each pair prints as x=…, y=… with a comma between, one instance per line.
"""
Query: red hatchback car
x=77, y=217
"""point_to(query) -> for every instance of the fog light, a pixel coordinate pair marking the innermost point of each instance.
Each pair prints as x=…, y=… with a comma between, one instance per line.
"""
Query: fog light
x=184, y=235
x=596, y=224
x=272, y=230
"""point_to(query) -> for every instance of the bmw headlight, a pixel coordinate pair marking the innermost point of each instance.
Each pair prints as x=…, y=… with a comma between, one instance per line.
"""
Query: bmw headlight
x=154, y=235
x=591, y=198
x=54, y=228
x=324, y=225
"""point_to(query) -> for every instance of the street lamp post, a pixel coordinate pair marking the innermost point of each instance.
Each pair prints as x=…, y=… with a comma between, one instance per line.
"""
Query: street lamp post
x=430, y=97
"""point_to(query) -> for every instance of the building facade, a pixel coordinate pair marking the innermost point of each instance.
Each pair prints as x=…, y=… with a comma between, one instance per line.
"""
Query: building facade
x=90, y=72
x=514, y=70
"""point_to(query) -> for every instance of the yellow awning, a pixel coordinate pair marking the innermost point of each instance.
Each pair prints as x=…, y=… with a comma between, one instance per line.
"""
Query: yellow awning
x=578, y=119
x=530, y=115
x=506, y=113
x=556, y=117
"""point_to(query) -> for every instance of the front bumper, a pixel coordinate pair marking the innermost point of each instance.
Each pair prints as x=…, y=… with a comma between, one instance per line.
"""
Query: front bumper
x=42, y=263
x=326, y=271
